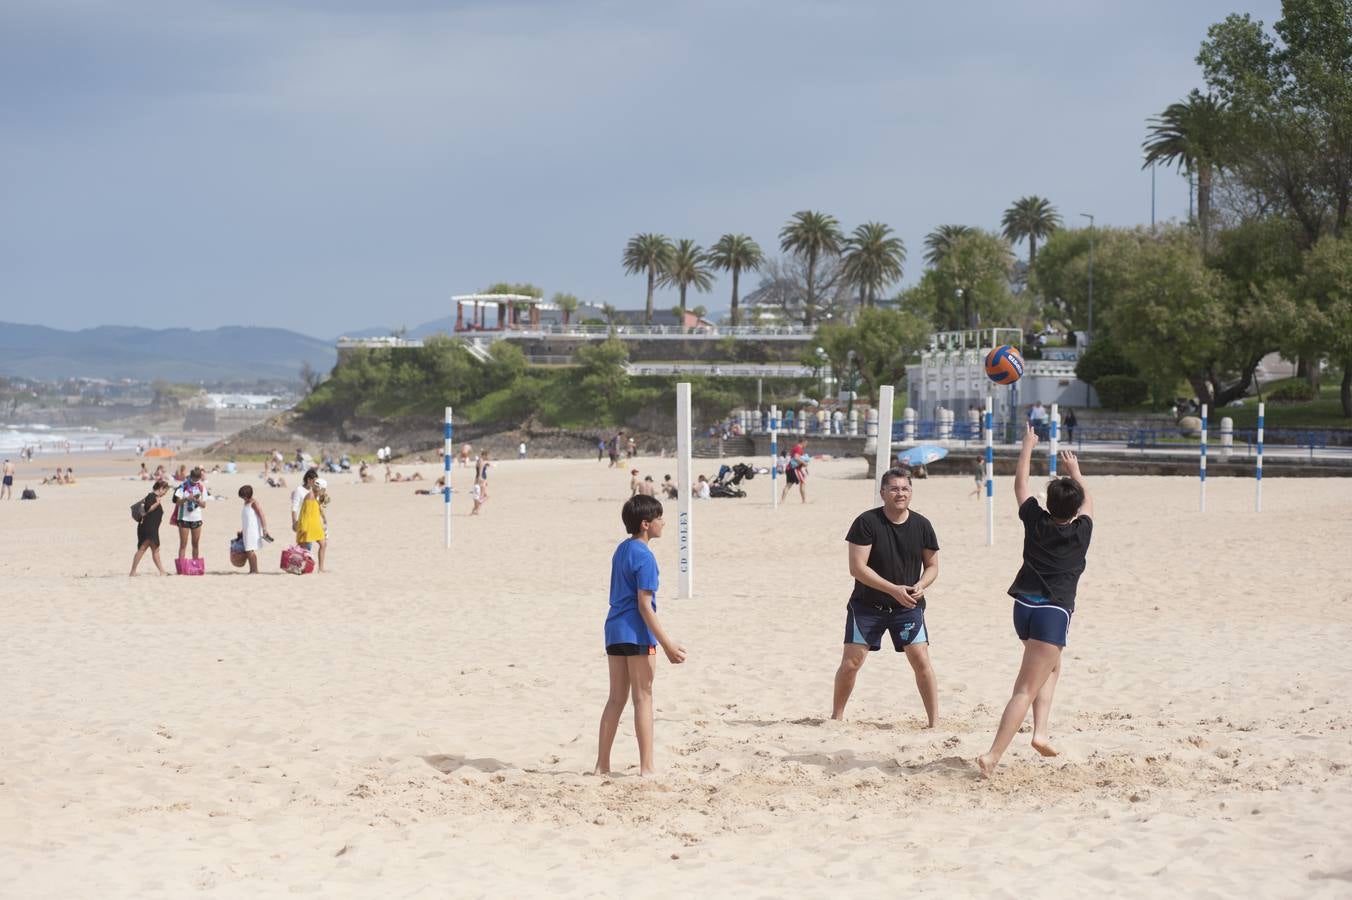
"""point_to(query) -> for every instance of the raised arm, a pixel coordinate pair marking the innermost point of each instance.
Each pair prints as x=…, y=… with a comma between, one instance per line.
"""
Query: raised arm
x=674, y=651
x=1021, y=489
x=860, y=571
x=1071, y=464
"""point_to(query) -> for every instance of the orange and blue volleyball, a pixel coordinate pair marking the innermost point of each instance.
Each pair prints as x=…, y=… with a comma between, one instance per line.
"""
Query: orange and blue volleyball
x=1004, y=365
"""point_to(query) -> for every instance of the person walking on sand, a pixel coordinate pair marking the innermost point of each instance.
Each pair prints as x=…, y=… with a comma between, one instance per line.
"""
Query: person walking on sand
x=253, y=527
x=894, y=558
x=795, y=472
x=148, y=529
x=302, y=490
x=310, y=522
x=7, y=481
x=1055, y=544
x=190, y=499
x=633, y=633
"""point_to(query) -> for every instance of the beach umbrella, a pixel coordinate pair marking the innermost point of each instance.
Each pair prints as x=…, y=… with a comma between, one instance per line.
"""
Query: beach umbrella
x=921, y=455
x=159, y=451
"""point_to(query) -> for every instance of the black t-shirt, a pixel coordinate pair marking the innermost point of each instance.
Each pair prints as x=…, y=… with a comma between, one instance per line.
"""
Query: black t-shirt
x=1053, y=555
x=894, y=554
x=152, y=518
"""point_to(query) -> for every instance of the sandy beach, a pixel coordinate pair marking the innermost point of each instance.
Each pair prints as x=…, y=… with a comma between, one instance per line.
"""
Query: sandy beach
x=419, y=722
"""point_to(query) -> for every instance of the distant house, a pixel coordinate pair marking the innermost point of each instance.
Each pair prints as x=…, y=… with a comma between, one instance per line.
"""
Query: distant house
x=665, y=317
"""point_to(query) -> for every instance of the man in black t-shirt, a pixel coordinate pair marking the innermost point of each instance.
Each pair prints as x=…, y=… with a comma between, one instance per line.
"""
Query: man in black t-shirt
x=894, y=557
x=1055, y=541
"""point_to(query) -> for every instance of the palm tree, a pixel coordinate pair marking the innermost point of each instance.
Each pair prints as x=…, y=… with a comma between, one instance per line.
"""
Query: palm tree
x=811, y=235
x=940, y=240
x=649, y=253
x=1030, y=217
x=609, y=312
x=873, y=260
x=567, y=305
x=1192, y=135
x=736, y=253
x=688, y=266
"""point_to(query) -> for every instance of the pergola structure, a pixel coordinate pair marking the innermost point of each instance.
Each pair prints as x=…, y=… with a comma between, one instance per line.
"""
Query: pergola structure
x=509, y=312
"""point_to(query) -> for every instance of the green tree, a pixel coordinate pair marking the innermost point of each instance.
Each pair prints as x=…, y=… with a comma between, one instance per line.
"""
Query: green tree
x=567, y=304
x=873, y=260
x=504, y=287
x=1033, y=218
x=810, y=236
x=1328, y=285
x=1290, y=97
x=736, y=253
x=938, y=241
x=1194, y=135
x=884, y=341
x=688, y=267
x=602, y=375
x=970, y=283
x=651, y=254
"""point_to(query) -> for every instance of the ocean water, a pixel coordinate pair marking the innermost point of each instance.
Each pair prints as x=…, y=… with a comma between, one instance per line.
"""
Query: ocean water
x=46, y=439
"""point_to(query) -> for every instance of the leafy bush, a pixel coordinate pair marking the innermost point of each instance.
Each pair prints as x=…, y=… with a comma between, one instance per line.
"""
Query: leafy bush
x=1121, y=391
x=1101, y=359
x=1292, y=392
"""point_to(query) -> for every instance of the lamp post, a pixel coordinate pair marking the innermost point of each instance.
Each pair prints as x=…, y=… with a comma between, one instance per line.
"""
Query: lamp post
x=821, y=367
x=1089, y=333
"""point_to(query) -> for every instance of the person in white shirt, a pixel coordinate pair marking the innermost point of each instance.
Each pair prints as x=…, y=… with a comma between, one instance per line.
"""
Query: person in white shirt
x=299, y=494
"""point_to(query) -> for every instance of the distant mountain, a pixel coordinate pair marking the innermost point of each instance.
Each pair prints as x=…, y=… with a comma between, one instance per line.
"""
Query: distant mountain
x=177, y=354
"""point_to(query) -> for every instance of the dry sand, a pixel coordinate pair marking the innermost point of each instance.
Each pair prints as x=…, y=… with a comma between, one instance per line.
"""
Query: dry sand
x=418, y=722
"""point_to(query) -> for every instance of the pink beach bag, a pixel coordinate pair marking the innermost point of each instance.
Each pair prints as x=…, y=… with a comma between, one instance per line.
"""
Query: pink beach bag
x=297, y=560
x=190, y=566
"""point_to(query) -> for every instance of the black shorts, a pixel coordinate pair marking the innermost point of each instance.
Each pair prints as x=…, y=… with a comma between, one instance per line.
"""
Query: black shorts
x=191, y=526
x=631, y=650
x=866, y=624
x=791, y=473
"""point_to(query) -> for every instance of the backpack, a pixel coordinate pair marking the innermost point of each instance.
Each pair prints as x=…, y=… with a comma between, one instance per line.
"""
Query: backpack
x=28, y=494
x=138, y=510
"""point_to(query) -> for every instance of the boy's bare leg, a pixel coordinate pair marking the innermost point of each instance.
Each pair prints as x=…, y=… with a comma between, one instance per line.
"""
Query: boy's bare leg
x=1039, y=659
x=851, y=661
x=642, y=669
x=1042, y=713
x=925, y=681
x=610, y=716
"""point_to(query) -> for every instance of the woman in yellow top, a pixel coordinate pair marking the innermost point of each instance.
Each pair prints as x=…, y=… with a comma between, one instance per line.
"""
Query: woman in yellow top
x=310, y=522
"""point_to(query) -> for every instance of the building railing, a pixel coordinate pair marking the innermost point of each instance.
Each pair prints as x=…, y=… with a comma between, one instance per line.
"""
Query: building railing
x=701, y=331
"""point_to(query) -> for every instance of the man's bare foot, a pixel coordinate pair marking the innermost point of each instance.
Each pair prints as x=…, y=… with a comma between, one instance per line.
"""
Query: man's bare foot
x=986, y=765
x=1044, y=746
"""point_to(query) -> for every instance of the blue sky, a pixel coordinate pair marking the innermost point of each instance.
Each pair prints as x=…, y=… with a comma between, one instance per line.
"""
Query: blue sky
x=326, y=166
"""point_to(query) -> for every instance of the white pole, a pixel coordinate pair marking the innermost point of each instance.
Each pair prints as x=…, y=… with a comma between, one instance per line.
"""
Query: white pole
x=1055, y=435
x=883, y=457
x=1201, y=471
x=774, y=457
x=684, y=487
x=446, y=472
x=1258, y=470
x=990, y=475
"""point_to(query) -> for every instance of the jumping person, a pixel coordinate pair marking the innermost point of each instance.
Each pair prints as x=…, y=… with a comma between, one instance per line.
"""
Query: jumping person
x=1055, y=541
x=894, y=557
x=632, y=633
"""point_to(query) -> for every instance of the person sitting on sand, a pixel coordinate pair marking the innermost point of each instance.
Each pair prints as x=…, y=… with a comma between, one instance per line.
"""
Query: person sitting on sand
x=633, y=632
x=70, y=476
x=364, y=473
x=1055, y=544
x=144, y=474
x=669, y=487
x=276, y=481
x=702, y=489
x=648, y=488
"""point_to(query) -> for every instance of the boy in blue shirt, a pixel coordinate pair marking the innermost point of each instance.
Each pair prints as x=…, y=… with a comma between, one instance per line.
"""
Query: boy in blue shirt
x=1055, y=541
x=633, y=632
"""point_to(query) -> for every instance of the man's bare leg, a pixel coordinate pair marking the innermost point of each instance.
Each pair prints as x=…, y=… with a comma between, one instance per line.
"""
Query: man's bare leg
x=1042, y=713
x=851, y=661
x=925, y=681
x=610, y=715
x=641, y=672
x=1039, y=659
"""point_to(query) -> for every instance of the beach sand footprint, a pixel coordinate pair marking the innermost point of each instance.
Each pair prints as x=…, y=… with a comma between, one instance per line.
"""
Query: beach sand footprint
x=449, y=763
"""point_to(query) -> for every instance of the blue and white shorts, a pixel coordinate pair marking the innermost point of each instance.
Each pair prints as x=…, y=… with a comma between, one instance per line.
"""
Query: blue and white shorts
x=1036, y=619
x=866, y=623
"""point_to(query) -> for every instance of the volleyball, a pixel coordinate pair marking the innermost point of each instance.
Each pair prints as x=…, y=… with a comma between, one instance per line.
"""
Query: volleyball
x=1004, y=365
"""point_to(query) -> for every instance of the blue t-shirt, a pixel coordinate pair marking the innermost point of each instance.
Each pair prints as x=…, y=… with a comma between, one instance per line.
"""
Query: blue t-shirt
x=632, y=568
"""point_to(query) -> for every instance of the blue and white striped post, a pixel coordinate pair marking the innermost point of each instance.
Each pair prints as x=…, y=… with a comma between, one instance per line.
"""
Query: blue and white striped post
x=990, y=475
x=1055, y=434
x=1202, y=460
x=1258, y=469
x=774, y=457
x=446, y=472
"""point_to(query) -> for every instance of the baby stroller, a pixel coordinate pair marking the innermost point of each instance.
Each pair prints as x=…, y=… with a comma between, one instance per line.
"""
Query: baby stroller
x=723, y=486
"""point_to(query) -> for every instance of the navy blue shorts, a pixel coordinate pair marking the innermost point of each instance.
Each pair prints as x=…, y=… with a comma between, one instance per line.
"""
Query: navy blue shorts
x=1037, y=620
x=866, y=623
